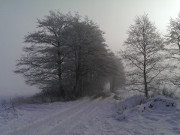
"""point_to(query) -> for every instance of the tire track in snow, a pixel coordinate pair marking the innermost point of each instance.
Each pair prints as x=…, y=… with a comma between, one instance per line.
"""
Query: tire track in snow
x=33, y=128
x=68, y=122
x=81, y=127
x=102, y=120
x=95, y=119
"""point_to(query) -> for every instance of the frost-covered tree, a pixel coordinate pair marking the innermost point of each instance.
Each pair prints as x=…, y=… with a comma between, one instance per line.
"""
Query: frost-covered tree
x=173, y=48
x=143, y=54
x=173, y=36
x=66, y=56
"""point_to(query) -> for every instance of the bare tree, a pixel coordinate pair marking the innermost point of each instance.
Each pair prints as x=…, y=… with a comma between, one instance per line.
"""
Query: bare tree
x=42, y=63
x=173, y=36
x=143, y=53
x=173, y=49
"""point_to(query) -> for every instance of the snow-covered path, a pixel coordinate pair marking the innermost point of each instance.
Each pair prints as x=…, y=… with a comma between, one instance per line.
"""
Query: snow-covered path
x=88, y=117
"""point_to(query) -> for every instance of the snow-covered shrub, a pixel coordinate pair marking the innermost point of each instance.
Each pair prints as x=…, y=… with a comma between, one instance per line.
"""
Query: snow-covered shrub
x=166, y=91
x=158, y=103
x=102, y=95
x=139, y=104
x=8, y=110
x=131, y=102
x=36, y=99
x=127, y=104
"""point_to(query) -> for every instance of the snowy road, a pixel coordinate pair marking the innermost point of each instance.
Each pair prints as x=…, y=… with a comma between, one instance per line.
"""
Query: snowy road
x=88, y=117
x=63, y=121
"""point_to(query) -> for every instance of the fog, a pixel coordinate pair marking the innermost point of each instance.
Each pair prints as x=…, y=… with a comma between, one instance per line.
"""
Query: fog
x=19, y=17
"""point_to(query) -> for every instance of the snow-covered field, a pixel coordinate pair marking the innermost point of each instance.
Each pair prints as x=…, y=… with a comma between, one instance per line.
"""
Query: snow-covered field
x=134, y=116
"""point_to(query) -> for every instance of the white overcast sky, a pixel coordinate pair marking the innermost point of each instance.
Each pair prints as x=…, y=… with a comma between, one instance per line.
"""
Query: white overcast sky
x=18, y=17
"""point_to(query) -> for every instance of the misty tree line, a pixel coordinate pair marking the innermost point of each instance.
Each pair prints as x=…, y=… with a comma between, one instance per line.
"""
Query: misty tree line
x=67, y=57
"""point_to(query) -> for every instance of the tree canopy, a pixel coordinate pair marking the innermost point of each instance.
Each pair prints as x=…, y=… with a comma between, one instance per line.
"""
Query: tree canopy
x=67, y=57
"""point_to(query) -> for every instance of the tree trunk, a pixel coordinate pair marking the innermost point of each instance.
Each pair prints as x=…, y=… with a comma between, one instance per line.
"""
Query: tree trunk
x=145, y=85
x=77, y=86
x=145, y=77
x=179, y=45
x=61, y=90
x=145, y=60
x=112, y=85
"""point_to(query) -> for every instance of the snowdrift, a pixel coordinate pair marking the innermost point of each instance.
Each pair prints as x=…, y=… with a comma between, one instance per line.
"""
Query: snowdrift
x=159, y=103
x=138, y=104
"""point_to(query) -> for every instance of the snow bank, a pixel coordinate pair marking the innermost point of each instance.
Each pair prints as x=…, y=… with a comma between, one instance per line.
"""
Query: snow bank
x=131, y=102
x=139, y=104
x=159, y=103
